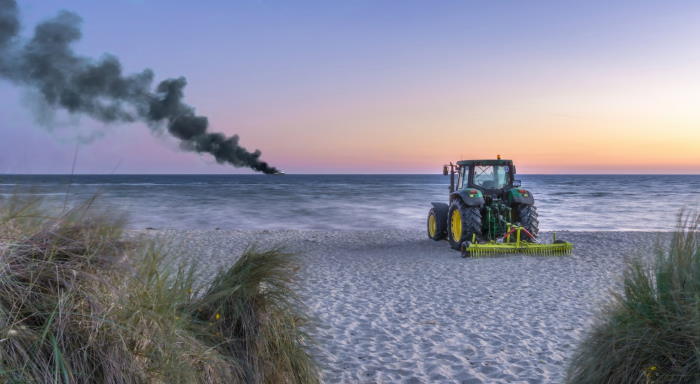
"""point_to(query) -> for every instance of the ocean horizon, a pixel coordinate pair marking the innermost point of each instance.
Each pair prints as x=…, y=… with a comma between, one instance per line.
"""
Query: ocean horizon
x=566, y=202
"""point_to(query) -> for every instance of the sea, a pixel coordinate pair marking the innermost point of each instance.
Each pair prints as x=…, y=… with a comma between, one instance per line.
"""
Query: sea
x=356, y=202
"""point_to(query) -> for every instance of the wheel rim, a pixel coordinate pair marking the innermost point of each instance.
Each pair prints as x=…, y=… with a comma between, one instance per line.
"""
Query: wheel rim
x=456, y=225
x=432, y=225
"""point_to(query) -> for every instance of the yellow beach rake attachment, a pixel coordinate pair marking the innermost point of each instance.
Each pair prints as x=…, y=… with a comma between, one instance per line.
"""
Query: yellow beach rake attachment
x=517, y=245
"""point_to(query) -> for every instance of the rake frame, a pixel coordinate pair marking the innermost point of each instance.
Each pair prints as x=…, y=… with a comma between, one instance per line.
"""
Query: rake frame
x=514, y=246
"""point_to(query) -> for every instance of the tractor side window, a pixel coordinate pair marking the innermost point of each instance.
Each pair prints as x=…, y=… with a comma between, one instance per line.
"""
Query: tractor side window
x=491, y=176
x=502, y=176
x=460, y=181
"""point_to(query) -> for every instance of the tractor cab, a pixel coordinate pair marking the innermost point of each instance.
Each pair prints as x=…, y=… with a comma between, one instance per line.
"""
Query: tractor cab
x=492, y=178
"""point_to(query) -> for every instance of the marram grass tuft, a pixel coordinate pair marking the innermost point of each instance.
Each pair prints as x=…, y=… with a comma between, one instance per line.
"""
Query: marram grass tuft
x=649, y=333
x=80, y=304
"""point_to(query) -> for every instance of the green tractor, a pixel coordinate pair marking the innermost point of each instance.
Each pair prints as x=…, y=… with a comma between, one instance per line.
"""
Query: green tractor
x=488, y=212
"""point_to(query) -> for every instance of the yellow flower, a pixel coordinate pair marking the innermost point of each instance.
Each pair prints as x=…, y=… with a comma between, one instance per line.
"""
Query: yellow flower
x=649, y=371
x=217, y=316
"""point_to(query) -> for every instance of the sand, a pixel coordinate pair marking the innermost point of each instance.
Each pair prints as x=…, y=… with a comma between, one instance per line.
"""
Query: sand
x=395, y=307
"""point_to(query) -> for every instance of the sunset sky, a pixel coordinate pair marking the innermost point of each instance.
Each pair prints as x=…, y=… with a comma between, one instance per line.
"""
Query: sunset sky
x=387, y=86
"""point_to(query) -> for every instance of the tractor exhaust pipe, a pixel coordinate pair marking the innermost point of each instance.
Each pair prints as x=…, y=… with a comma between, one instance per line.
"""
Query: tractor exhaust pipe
x=451, y=172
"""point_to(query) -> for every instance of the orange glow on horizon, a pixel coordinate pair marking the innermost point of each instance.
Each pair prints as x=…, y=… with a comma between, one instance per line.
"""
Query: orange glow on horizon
x=612, y=125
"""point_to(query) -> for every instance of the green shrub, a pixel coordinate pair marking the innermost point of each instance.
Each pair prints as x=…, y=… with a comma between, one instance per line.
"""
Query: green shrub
x=81, y=304
x=650, y=333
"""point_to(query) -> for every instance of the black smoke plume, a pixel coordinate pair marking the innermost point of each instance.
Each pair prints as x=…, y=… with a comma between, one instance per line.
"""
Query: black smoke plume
x=99, y=89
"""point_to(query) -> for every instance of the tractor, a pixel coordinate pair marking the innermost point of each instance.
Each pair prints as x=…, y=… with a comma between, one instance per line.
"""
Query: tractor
x=488, y=211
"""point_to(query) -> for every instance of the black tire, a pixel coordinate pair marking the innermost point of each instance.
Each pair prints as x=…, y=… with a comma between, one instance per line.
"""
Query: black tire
x=470, y=220
x=528, y=219
x=440, y=224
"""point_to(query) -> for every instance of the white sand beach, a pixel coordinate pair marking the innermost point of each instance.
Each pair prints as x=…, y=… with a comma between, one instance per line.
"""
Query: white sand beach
x=395, y=307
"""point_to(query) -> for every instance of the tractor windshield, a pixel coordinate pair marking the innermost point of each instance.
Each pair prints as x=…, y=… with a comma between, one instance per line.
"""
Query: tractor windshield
x=491, y=176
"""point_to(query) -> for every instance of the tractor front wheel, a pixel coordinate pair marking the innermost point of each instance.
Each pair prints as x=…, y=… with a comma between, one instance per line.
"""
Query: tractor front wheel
x=463, y=223
x=527, y=216
x=436, y=224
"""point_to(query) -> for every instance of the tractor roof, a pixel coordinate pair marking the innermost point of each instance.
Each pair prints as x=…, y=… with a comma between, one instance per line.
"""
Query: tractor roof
x=485, y=162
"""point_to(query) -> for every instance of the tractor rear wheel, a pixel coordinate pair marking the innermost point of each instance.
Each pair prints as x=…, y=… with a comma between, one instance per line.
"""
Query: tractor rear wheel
x=463, y=223
x=527, y=216
x=436, y=224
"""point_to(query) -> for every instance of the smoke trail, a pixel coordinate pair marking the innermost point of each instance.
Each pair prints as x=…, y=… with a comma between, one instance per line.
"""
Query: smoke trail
x=99, y=88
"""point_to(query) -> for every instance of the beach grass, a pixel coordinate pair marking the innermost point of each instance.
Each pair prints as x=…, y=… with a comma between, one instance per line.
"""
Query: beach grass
x=80, y=302
x=650, y=332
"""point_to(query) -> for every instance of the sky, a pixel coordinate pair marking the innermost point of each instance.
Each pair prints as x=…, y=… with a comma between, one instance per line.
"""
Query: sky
x=386, y=86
